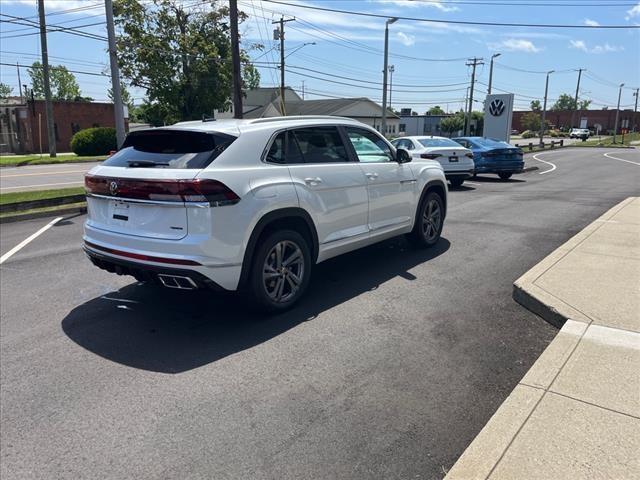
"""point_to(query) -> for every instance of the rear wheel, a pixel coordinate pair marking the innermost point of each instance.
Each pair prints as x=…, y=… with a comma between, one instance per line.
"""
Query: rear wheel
x=429, y=221
x=280, y=271
x=505, y=175
x=456, y=181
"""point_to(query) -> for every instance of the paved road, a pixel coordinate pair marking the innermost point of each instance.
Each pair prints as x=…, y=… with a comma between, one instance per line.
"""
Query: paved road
x=388, y=369
x=43, y=177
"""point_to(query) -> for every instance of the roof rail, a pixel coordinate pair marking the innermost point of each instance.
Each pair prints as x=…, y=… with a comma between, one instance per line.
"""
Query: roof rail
x=300, y=117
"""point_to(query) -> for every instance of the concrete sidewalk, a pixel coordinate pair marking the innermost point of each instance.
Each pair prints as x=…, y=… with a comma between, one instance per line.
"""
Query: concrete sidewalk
x=576, y=413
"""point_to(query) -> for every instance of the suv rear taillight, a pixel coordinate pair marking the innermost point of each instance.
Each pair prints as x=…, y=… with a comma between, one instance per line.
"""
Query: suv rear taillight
x=468, y=155
x=429, y=156
x=216, y=193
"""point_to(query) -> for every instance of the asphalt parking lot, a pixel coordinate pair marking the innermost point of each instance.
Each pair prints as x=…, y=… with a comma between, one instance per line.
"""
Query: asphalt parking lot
x=388, y=368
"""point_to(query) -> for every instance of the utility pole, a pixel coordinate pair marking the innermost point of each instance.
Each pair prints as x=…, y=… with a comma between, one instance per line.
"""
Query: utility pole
x=302, y=89
x=491, y=72
x=615, y=128
x=118, y=109
x=635, y=110
x=235, y=59
x=47, y=87
x=580, y=70
x=385, y=70
x=391, y=70
x=474, y=62
x=19, y=83
x=278, y=34
x=544, y=108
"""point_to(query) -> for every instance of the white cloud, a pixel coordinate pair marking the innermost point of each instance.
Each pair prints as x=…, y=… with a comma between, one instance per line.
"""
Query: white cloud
x=606, y=48
x=591, y=23
x=633, y=12
x=419, y=3
x=515, y=45
x=407, y=40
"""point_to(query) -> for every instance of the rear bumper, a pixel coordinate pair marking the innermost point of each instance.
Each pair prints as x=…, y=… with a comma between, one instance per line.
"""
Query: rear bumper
x=512, y=167
x=459, y=174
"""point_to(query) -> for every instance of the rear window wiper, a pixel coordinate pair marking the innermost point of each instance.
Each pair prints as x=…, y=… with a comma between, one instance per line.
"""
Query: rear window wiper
x=146, y=163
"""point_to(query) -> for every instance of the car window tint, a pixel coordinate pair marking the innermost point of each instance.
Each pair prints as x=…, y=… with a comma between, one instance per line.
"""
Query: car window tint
x=320, y=145
x=165, y=148
x=369, y=147
x=438, y=142
x=284, y=150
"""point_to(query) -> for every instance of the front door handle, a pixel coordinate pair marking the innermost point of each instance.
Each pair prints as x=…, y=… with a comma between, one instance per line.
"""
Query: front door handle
x=371, y=176
x=313, y=180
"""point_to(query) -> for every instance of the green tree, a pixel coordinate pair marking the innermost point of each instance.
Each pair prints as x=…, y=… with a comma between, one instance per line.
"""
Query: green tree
x=536, y=106
x=5, y=91
x=435, y=111
x=531, y=121
x=452, y=124
x=584, y=104
x=568, y=102
x=180, y=55
x=64, y=85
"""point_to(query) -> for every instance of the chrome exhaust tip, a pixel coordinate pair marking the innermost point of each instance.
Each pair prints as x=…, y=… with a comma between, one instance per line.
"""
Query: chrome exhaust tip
x=177, y=281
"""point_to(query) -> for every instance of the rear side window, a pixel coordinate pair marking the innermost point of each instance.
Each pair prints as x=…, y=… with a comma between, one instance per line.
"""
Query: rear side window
x=284, y=150
x=170, y=149
x=321, y=145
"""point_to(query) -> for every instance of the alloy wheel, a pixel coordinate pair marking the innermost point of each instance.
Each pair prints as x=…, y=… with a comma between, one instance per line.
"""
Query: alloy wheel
x=431, y=220
x=283, y=271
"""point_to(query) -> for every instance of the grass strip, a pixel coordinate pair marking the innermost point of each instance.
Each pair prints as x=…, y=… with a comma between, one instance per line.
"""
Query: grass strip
x=43, y=210
x=19, y=161
x=29, y=195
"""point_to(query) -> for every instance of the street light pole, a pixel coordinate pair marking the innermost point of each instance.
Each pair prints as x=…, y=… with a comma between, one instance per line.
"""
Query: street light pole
x=615, y=128
x=118, y=109
x=391, y=70
x=635, y=110
x=544, y=108
x=491, y=72
x=47, y=87
x=384, y=74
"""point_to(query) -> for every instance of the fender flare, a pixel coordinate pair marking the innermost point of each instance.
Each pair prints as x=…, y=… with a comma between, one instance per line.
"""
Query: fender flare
x=263, y=223
x=427, y=187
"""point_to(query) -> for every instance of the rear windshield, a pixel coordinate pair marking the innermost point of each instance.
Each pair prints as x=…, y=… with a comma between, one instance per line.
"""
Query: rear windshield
x=170, y=149
x=438, y=142
x=491, y=143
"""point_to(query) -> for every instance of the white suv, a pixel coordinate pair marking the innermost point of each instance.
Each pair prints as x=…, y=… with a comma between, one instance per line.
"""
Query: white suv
x=254, y=204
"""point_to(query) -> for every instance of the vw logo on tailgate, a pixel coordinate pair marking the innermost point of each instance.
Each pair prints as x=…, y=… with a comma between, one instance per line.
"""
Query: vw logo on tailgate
x=496, y=107
x=113, y=188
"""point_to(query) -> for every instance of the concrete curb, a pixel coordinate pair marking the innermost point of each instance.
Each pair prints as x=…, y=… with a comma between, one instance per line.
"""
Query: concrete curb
x=43, y=203
x=48, y=213
x=541, y=302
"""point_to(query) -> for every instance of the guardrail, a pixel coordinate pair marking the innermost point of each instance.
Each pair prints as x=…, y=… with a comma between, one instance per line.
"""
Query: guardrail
x=542, y=145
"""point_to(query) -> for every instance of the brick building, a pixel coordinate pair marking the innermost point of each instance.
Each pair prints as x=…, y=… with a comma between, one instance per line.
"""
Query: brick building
x=23, y=127
x=606, y=119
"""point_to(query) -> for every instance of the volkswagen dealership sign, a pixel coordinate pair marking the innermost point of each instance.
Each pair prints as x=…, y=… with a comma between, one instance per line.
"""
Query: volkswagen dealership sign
x=498, y=112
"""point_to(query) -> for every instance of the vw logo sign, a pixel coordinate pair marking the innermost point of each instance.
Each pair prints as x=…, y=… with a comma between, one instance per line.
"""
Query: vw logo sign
x=113, y=188
x=496, y=107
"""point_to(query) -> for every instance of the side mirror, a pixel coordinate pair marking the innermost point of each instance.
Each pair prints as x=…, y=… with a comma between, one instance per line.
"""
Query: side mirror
x=402, y=156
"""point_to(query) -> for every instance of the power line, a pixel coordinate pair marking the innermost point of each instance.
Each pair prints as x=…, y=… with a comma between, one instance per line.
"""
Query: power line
x=79, y=72
x=454, y=22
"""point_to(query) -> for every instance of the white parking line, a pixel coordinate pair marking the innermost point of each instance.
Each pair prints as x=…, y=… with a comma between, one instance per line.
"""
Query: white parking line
x=79, y=182
x=26, y=241
x=553, y=167
x=608, y=155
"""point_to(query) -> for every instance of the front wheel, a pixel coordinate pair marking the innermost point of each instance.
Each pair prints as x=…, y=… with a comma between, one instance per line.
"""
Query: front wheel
x=505, y=175
x=429, y=221
x=456, y=181
x=280, y=271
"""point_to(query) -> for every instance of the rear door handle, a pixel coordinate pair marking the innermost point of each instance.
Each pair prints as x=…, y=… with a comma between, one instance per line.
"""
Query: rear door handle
x=371, y=176
x=313, y=180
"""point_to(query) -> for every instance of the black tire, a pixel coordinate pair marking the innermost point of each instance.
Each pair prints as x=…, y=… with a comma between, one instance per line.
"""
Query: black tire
x=265, y=292
x=505, y=175
x=456, y=181
x=423, y=235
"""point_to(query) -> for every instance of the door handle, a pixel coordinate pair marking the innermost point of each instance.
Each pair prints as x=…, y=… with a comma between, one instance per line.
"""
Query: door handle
x=312, y=180
x=371, y=176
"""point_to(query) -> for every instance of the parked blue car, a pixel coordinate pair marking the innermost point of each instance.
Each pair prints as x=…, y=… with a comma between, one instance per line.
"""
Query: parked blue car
x=494, y=156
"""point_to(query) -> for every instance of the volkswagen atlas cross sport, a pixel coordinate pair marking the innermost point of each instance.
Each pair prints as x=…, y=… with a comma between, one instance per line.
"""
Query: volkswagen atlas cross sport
x=253, y=205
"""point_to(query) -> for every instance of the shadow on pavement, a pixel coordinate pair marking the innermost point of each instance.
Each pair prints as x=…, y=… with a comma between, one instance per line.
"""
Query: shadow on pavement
x=462, y=188
x=168, y=331
x=496, y=179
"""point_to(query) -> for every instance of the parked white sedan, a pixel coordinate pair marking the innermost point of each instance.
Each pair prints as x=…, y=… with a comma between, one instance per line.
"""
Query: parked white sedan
x=456, y=160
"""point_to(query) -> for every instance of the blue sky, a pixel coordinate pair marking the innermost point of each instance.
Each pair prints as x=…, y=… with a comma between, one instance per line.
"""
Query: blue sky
x=349, y=46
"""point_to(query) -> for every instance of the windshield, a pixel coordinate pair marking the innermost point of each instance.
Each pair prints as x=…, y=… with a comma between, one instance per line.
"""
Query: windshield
x=170, y=149
x=438, y=142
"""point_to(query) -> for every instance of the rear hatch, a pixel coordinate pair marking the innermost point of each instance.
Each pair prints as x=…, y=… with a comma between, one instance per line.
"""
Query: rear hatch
x=145, y=188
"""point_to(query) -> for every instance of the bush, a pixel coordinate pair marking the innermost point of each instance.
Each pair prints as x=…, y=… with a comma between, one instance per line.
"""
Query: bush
x=554, y=134
x=528, y=134
x=94, y=141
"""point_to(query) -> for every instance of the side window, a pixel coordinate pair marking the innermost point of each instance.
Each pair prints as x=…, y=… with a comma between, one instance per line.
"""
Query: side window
x=369, y=147
x=320, y=145
x=409, y=144
x=284, y=150
x=464, y=143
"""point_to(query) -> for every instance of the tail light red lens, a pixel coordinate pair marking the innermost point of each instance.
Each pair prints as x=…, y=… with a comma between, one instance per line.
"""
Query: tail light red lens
x=429, y=156
x=216, y=193
x=468, y=155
